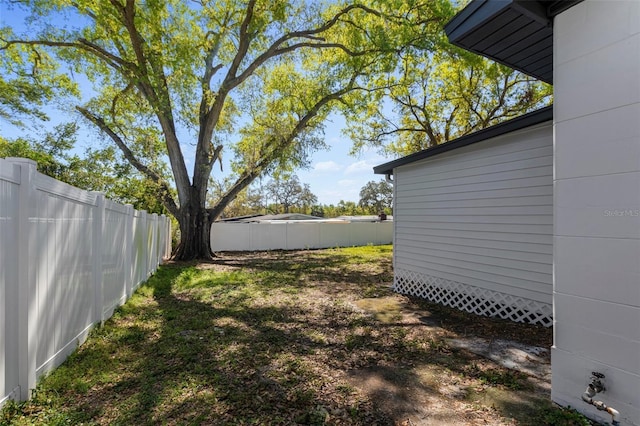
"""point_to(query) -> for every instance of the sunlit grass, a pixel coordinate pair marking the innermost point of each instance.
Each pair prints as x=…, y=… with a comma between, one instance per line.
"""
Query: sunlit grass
x=266, y=338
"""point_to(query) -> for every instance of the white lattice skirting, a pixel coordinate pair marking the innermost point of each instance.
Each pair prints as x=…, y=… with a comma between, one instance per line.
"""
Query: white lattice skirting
x=473, y=299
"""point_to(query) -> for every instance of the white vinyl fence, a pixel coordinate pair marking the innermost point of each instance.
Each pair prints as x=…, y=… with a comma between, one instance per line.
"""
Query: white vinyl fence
x=68, y=258
x=298, y=235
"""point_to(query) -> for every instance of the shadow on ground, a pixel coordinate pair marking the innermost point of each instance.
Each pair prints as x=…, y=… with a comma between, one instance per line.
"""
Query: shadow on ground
x=310, y=337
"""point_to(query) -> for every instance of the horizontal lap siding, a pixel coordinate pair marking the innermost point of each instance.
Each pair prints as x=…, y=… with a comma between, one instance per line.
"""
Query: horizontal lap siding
x=481, y=215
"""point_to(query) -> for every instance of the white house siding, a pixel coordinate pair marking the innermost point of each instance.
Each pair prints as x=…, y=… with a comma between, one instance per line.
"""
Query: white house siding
x=474, y=227
x=597, y=205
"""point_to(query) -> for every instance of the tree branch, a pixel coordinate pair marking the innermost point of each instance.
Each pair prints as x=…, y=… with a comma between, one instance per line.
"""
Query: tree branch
x=250, y=175
x=168, y=201
x=9, y=43
x=232, y=80
x=161, y=103
x=244, y=41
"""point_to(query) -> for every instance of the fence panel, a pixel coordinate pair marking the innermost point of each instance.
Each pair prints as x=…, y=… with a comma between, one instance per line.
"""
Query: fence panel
x=300, y=235
x=140, y=242
x=62, y=220
x=272, y=236
x=9, y=192
x=230, y=237
x=161, y=241
x=113, y=262
x=335, y=234
x=152, y=222
x=304, y=235
x=68, y=258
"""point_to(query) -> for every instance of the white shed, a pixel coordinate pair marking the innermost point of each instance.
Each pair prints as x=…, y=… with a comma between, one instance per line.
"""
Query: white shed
x=474, y=221
x=590, y=51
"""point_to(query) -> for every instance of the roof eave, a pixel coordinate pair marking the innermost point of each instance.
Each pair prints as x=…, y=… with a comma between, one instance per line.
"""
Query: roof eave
x=466, y=20
x=516, y=33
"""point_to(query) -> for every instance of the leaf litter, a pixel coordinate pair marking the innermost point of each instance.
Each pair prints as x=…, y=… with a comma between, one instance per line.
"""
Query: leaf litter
x=300, y=337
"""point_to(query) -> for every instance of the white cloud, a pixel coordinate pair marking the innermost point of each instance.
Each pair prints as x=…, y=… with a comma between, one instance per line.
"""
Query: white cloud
x=346, y=182
x=359, y=167
x=327, y=166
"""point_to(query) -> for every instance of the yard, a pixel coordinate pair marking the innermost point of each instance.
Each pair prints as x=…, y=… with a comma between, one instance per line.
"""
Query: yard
x=306, y=337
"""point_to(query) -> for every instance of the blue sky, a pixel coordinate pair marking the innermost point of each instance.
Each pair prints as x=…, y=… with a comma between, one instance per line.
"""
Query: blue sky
x=333, y=174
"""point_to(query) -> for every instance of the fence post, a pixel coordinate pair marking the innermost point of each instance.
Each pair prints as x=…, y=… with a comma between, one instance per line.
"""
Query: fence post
x=158, y=245
x=168, y=241
x=128, y=251
x=97, y=243
x=161, y=238
x=145, y=242
x=27, y=288
x=154, y=243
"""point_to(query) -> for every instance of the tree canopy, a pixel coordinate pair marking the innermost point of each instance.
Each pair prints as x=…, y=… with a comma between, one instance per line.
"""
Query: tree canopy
x=377, y=197
x=96, y=169
x=432, y=97
x=29, y=79
x=177, y=85
x=253, y=79
x=287, y=192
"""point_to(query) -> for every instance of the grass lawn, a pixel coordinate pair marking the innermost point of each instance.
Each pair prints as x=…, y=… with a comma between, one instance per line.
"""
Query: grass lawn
x=308, y=337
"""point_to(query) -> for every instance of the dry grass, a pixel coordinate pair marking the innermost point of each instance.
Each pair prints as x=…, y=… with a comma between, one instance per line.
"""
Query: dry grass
x=308, y=337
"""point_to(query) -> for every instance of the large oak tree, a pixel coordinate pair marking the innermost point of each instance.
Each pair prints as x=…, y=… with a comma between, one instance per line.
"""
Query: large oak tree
x=376, y=197
x=253, y=79
x=287, y=192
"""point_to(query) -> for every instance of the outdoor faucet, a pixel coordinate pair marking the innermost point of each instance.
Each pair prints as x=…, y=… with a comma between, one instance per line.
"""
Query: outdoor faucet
x=596, y=386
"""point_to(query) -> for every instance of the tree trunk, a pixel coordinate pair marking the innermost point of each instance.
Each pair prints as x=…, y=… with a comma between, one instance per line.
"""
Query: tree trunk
x=195, y=226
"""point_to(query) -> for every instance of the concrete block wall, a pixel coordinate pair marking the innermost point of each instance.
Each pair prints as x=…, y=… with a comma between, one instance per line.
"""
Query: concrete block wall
x=597, y=206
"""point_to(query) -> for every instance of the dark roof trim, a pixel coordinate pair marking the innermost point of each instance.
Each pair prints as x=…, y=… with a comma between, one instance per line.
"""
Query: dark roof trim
x=535, y=11
x=555, y=8
x=527, y=120
x=471, y=16
x=517, y=33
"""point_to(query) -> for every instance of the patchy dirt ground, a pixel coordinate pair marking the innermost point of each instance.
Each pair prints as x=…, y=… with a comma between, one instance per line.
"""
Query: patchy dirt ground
x=312, y=337
x=478, y=371
x=419, y=394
